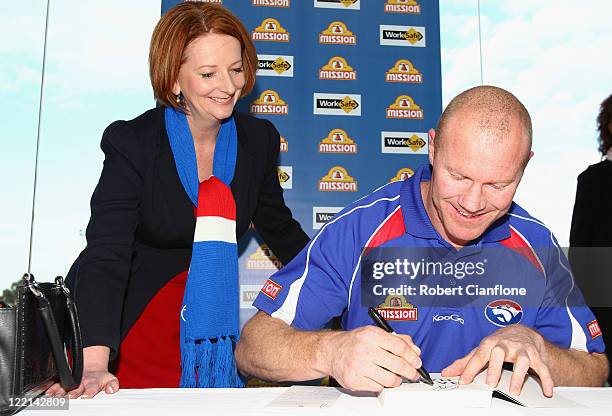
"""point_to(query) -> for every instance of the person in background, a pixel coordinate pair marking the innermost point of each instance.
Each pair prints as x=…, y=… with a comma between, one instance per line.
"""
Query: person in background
x=157, y=285
x=591, y=230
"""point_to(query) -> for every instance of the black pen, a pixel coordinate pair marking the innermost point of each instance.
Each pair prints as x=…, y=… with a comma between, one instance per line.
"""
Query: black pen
x=382, y=324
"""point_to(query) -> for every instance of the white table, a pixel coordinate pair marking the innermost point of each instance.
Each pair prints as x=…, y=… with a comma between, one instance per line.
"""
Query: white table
x=254, y=401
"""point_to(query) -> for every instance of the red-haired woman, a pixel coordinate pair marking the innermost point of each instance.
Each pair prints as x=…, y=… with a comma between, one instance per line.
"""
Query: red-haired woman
x=157, y=286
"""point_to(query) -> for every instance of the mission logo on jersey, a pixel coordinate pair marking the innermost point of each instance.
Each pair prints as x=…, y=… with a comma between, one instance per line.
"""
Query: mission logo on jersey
x=397, y=308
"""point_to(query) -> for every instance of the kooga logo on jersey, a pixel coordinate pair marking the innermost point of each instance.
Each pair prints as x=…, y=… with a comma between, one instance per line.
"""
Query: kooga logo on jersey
x=454, y=317
x=337, y=104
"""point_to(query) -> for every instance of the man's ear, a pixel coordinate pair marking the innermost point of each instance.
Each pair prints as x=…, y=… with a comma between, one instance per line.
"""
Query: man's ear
x=432, y=146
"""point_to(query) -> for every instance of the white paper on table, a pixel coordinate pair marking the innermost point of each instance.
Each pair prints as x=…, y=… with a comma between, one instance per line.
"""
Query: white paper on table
x=531, y=393
x=307, y=396
x=446, y=393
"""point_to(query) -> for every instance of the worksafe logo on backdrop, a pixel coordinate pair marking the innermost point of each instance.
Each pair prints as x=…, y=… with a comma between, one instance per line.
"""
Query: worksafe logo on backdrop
x=275, y=65
x=402, y=175
x=397, y=308
x=392, y=35
x=321, y=215
x=402, y=6
x=338, y=4
x=337, y=34
x=404, y=71
x=284, y=145
x=337, y=141
x=270, y=30
x=269, y=102
x=272, y=3
x=285, y=177
x=338, y=180
x=336, y=104
x=404, y=142
x=248, y=293
x=263, y=259
x=337, y=69
x=404, y=107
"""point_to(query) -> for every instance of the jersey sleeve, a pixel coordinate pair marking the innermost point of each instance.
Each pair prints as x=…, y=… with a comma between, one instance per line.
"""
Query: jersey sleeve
x=313, y=288
x=564, y=318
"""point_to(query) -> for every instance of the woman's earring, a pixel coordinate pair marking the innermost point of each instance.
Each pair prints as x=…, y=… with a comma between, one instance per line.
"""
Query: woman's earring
x=179, y=96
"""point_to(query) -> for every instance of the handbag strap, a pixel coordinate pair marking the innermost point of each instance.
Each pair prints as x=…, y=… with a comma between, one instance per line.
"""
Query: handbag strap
x=69, y=378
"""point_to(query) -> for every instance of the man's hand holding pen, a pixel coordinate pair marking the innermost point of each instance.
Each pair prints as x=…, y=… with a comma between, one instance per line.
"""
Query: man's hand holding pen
x=369, y=359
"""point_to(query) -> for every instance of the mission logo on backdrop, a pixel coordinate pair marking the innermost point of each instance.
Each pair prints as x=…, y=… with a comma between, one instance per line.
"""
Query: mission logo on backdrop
x=404, y=107
x=210, y=1
x=338, y=4
x=263, y=259
x=270, y=30
x=392, y=35
x=336, y=104
x=337, y=69
x=403, y=142
x=337, y=34
x=337, y=141
x=272, y=3
x=321, y=215
x=402, y=175
x=275, y=65
x=337, y=179
x=269, y=102
x=402, y=6
x=284, y=145
x=404, y=71
x=285, y=177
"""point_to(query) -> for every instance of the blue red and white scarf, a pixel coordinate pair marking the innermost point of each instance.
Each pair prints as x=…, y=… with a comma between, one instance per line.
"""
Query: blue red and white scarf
x=209, y=316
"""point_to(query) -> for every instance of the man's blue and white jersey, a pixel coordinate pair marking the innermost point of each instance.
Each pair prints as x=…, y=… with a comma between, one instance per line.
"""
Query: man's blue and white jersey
x=514, y=273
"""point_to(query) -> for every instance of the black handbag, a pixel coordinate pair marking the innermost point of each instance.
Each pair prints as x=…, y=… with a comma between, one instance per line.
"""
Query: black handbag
x=34, y=336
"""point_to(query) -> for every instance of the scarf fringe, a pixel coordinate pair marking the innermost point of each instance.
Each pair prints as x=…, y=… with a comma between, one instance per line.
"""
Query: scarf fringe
x=210, y=364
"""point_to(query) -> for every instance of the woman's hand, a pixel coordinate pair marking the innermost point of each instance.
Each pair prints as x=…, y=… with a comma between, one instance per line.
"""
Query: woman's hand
x=95, y=376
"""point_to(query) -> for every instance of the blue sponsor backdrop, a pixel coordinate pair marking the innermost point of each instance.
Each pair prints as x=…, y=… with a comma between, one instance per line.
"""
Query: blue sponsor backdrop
x=389, y=53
